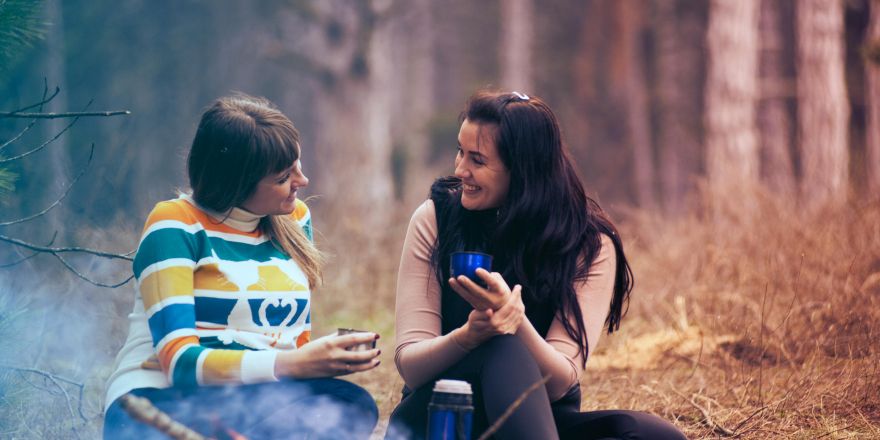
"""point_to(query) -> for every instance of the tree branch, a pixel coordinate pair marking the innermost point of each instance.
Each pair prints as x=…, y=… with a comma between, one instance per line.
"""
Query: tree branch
x=59, y=250
x=87, y=279
x=39, y=105
x=45, y=100
x=43, y=145
x=57, y=201
x=63, y=115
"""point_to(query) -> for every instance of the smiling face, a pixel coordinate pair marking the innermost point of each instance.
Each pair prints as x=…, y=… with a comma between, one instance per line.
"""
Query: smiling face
x=484, y=177
x=276, y=193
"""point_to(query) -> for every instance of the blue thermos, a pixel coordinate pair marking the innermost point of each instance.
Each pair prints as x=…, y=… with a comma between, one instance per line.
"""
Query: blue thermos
x=451, y=411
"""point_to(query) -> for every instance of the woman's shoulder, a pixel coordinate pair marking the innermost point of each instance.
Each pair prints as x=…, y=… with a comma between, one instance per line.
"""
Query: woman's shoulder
x=423, y=222
x=179, y=210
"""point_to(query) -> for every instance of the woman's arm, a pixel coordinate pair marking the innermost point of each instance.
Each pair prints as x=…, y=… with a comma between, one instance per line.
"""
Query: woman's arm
x=421, y=353
x=558, y=354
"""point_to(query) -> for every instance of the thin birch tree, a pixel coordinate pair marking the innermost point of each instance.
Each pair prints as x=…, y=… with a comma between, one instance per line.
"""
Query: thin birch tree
x=823, y=106
x=731, y=91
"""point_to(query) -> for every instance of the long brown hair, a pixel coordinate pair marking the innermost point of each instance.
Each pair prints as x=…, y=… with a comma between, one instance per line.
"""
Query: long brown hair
x=240, y=140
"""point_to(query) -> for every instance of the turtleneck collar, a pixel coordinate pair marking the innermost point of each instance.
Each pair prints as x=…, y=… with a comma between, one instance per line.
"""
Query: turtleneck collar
x=236, y=218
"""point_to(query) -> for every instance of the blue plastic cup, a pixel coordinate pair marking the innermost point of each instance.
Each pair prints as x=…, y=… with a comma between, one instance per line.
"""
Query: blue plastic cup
x=466, y=263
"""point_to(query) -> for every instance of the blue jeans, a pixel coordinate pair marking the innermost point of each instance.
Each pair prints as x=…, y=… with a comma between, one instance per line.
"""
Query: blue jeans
x=289, y=409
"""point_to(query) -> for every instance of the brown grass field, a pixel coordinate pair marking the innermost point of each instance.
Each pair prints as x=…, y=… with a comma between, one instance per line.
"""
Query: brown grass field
x=749, y=320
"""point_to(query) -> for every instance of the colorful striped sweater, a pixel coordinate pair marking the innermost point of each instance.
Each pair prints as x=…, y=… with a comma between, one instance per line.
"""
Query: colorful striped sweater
x=214, y=303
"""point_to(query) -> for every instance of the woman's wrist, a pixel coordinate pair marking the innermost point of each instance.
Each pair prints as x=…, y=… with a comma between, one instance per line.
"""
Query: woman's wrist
x=463, y=337
x=287, y=363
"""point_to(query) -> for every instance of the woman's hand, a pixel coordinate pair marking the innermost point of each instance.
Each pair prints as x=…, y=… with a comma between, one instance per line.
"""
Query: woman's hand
x=485, y=324
x=327, y=357
x=493, y=297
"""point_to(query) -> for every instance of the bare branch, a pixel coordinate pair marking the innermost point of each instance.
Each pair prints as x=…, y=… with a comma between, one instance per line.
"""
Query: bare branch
x=39, y=105
x=54, y=378
x=60, y=250
x=44, y=101
x=513, y=406
x=19, y=135
x=32, y=255
x=57, y=201
x=87, y=279
x=63, y=115
x=43, y=145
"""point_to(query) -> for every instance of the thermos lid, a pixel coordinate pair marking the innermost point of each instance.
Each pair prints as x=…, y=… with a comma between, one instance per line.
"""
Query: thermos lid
x=452, y=387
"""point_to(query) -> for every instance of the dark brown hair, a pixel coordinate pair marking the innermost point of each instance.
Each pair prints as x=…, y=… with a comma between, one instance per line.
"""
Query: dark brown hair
x=547, y=232
x=240, y=140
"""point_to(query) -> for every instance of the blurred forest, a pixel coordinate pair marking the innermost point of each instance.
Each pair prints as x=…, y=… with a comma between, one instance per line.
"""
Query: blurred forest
x=676, y=111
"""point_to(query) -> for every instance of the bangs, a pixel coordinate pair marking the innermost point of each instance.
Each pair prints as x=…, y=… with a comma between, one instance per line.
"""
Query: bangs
x=277, y=148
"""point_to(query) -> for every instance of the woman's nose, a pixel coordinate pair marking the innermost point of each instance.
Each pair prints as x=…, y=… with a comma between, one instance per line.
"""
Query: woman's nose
x=300, y=182
x=460, y=169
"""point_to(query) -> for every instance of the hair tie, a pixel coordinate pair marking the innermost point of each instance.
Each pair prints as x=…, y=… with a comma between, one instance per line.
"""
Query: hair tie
x=519, y=95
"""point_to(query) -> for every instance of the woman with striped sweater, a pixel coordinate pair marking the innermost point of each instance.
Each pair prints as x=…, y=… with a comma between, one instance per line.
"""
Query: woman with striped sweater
x=220, y=335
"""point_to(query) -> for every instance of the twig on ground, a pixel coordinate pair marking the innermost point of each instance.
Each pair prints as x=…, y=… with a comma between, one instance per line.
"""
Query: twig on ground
x=56, y=379
x=513, y=406
x=707, y=418
x=832, y=432
x=58, y=200
x=142, y=410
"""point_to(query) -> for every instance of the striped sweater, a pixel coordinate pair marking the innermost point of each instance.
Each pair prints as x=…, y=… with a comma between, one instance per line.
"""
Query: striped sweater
x=215, y=303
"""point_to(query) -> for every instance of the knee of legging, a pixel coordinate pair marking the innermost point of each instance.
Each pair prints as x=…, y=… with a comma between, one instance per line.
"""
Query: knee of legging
x=505, y=348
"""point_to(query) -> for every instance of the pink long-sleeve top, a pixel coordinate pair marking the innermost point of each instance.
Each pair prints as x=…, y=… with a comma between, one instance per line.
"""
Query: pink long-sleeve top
x=423, y=352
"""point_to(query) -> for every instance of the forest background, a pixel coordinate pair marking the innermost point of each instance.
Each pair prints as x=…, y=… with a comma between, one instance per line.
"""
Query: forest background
x=737, y=143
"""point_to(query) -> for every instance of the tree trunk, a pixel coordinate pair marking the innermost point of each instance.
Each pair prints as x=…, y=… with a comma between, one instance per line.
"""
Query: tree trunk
x=516, y=44
x=774, y=120
x=629, y=24
x=414, y=61
x=678, y=30
x=823, y=109
x=57, y=178
x=872, y=78
x=731, y=90
x=347, y=47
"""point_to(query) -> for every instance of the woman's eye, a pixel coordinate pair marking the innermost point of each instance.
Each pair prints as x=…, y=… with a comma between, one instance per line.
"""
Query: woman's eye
x=284, y=179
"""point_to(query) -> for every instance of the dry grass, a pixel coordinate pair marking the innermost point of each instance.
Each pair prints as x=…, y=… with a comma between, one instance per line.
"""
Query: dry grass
x=752, y=322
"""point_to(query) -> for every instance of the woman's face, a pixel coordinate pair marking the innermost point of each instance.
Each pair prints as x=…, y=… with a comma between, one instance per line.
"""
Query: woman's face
x=276, y=193
x=485, y=179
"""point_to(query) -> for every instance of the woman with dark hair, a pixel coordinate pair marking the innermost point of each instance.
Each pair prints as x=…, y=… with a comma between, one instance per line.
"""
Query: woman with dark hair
x=559, y=278
x=220, y=336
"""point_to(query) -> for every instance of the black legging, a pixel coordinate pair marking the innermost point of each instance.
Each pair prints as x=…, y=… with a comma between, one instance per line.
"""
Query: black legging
x=499, y=371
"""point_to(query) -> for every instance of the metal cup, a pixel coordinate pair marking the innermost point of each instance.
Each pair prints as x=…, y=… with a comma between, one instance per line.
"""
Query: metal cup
x=466, y=263
x=364, y=346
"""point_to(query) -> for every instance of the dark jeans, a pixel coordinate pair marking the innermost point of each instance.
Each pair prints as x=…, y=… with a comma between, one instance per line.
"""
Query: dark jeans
x=499, y=371
x=289, y=409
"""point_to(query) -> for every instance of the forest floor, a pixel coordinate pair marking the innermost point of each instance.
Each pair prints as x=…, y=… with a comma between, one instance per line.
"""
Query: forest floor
x=746, y=322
